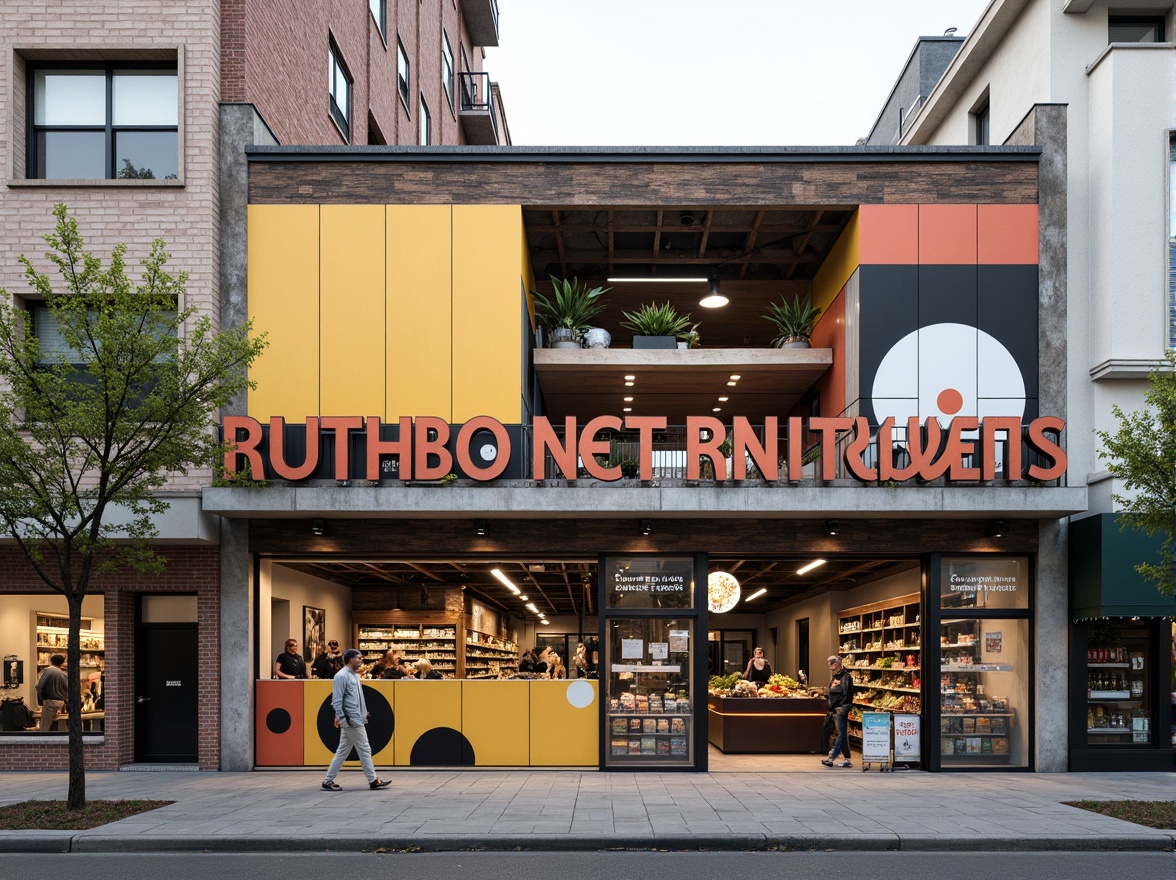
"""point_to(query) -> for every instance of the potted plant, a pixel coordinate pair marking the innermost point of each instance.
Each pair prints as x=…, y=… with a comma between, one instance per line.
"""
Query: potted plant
x=794, y=321
x=568, y=313
x=657, y=325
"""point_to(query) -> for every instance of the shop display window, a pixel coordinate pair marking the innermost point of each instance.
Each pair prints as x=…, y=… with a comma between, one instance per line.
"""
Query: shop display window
x=651, y=697
x=984, y=692
x=1119, y=689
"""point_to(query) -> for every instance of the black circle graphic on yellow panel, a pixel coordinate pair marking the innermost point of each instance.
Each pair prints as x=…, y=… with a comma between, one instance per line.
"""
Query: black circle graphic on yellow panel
x=379, y=727
x=442, y=747
x=278, y=721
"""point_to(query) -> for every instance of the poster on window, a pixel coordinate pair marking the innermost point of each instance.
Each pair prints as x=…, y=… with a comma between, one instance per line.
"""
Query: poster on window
x=906, y=739
x=992, y=642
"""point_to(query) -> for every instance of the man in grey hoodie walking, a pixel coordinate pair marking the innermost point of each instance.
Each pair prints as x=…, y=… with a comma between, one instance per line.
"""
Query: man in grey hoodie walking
x=351, y=717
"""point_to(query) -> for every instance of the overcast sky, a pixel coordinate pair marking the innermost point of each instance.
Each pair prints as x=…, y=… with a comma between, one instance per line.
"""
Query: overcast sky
x=706, y=72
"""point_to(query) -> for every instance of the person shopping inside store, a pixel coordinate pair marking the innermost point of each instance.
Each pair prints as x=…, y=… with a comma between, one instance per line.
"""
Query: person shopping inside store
x=52, y=690
x=840, y=697
x=425, y=670
x=758, y=670
x=328, y=662
x=351, y=717
x=390, y=666
x=289, y=663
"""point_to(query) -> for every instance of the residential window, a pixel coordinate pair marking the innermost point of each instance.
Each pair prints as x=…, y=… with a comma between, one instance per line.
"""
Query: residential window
x=425, y=123
x=1172, y=241
x=1135, y=29
x=95, y=122
x=403, y=78
x=340, y=92
x=981, y=125
x=447, y=68
x=379, y=10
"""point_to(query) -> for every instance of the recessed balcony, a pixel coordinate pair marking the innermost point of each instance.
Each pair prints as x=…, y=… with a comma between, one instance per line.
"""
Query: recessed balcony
x=481, y=18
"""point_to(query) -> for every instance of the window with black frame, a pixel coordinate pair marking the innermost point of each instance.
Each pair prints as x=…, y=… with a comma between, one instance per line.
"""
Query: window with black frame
x=340, y=91
x=104, y=122
x=650, y=634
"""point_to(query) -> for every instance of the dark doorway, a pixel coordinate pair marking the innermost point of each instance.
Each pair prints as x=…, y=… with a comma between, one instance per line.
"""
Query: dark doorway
x=166, y=693
x=802, y=647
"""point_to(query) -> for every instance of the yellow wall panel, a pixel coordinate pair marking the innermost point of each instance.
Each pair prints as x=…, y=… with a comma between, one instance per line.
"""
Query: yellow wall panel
x=283, y=303
x=314, y=694
x=419, y=266
x=838, y=266
x=564, y=731
x=420, y=707
x=487, y=312
x=494, y=720
x=351, y=280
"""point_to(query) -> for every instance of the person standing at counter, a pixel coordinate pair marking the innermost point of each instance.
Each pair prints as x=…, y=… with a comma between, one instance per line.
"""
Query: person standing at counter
x=425, y=670
x=351, y=717
x=52, y=689
x=290, y=663
x=840, y=697
x=328, y=662
x=390, y=666
x=758, y=670
x=580, y=660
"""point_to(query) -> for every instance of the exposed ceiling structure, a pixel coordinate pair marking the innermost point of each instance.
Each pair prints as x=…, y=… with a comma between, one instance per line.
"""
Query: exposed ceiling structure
x=568, y=587
x=736, y=243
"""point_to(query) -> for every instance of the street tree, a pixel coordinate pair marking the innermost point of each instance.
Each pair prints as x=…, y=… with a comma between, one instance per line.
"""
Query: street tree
x=94, y=424
x=1142, y=453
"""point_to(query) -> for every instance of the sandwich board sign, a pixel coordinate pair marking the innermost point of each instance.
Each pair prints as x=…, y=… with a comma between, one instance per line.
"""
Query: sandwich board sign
x=875, y=738
x=906, y=739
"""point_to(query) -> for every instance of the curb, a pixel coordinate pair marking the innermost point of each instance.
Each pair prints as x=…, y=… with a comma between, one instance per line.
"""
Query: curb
x=73, y=842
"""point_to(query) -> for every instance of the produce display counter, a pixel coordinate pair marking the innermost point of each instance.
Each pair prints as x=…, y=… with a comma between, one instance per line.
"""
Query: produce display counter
x=450, y=723
x=765, y=725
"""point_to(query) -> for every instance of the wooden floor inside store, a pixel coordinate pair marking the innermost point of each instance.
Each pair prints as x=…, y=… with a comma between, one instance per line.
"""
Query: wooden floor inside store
x=720, y=763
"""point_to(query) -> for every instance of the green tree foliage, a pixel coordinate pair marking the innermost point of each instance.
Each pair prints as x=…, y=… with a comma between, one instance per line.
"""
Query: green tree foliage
x=90, y=431
x=1142, y=453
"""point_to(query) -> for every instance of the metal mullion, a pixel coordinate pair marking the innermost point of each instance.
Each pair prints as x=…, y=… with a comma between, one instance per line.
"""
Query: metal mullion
x=110, y=172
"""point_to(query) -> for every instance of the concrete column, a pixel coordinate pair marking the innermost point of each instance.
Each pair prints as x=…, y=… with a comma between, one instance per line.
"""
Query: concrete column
x=236, y=643
x=1052, y=639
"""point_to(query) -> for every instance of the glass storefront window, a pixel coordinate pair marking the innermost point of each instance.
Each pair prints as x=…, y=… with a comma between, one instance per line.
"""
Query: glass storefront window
x=984, y=692
x=649, y=582
x=1119, y=690
x=985, y=583
x=651, y=697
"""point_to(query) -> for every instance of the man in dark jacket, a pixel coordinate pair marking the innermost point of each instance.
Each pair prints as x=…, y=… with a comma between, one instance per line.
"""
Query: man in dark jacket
x=840, y=697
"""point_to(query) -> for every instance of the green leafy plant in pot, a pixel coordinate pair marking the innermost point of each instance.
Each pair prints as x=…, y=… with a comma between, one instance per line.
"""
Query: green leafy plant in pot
x=657, y=325
x=569, y=311
x=794, y=320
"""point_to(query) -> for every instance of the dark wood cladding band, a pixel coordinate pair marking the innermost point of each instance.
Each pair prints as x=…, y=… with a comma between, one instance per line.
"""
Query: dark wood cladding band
x=698, y=184
x=405, y=538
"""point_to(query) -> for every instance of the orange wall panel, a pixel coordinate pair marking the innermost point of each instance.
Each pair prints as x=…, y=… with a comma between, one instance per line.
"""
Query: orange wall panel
x=888, y=234
x=278, y=723
x=1008, y=235
x=830, y=333
x=947, y=235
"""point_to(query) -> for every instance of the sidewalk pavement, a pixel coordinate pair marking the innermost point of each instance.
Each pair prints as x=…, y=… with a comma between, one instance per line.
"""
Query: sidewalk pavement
x=562, y=810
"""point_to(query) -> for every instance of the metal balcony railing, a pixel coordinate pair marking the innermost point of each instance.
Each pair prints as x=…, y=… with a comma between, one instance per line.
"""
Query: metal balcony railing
x=476, y=108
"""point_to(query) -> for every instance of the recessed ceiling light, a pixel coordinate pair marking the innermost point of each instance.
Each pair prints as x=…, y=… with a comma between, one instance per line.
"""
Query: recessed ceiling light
x=628, y=384
x=732, y=384
x=524, y=598
x=717, y=409
x=736, y=378
x=816, y=563
x=627, y=409
x=722, y=400
x=630, y=378
x=628, y=400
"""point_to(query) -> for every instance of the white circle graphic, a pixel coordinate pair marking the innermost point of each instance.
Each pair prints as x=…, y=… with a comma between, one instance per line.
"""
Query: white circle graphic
x=580, y=694
x=722, y=591
x=947, y=370
x=489, y=452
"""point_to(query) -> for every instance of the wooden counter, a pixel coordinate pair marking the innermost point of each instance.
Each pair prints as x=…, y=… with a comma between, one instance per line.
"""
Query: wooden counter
x=765, y=725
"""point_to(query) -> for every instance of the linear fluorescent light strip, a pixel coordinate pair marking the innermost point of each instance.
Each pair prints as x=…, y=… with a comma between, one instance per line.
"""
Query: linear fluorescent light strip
x=816, y=563
x=756, y=594
x=657, y=280
x=498, y=574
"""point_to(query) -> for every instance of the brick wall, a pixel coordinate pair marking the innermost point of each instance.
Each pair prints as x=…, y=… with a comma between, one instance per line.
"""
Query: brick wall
x=285, y=67
x=188, y=570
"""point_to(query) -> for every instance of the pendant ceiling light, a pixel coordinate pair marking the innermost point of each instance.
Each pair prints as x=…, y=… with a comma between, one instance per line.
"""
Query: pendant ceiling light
x=714, y=299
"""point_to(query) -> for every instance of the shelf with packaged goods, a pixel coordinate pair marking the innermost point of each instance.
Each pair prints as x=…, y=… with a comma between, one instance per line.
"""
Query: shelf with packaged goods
x=428, y=638
x=52, y=639
x=887, y=633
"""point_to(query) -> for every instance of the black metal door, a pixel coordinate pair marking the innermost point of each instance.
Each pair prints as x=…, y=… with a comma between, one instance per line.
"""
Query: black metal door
x=166, y=693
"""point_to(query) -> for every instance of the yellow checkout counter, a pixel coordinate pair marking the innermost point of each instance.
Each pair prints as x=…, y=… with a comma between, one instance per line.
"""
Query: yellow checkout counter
x=449, y=723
